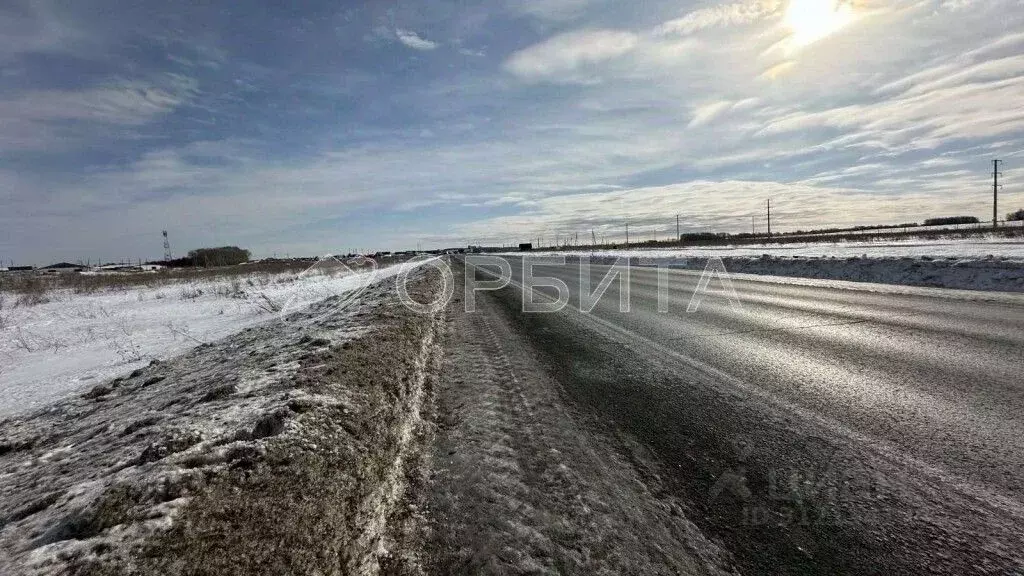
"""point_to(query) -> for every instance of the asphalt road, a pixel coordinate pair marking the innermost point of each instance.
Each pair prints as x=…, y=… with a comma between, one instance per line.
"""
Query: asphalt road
x=815, y=428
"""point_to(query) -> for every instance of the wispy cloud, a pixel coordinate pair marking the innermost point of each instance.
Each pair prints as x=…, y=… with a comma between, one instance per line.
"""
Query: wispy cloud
x=560, y=56
x=41, y=119
x=414, y=41
x=554, y=10
x=730, y=14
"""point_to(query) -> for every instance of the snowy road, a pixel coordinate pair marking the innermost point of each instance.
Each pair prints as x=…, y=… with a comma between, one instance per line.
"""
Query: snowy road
x=820, y=428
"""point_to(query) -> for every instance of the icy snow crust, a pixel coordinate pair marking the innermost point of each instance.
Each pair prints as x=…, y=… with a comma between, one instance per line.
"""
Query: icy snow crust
x=51, y=350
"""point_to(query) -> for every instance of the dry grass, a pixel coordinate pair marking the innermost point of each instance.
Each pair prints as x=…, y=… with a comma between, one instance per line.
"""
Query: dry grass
x=31, y=288
x=308, y=505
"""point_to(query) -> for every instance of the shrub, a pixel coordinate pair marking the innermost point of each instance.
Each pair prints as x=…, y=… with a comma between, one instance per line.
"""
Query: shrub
x=1016, y=216
x=223, y=256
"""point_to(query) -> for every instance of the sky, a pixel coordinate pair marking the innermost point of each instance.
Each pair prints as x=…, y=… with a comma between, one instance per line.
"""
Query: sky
x=308, y=128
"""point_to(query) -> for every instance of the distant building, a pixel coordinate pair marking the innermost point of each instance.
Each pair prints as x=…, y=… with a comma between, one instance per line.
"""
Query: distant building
x=62, y=268
x=526, y=246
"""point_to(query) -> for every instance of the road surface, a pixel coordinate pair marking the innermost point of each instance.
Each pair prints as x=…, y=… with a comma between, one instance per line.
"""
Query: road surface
x=815, y=428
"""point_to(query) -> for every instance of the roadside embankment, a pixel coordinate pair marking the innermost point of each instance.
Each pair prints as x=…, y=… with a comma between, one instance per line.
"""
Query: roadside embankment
x=285, y=448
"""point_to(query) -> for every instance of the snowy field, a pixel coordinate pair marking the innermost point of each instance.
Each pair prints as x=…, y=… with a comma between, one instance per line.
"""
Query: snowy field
x=973, y=248
x=56, y=348
x=991, y=264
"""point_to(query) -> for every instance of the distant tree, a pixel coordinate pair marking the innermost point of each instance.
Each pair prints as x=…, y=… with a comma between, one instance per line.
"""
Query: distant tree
x=951, y=220
x=1016, y=216
x=223, y=256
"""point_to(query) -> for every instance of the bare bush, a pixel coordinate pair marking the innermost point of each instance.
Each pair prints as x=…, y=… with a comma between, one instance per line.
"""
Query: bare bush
x=125, y=345
x=23, y=341
x=263, y=302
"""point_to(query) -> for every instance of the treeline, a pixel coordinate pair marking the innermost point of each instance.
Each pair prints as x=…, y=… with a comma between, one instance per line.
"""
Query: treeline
x=950, y=220
x=210, y=257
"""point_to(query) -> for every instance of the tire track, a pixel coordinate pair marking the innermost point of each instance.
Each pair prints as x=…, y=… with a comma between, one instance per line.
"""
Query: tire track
x=521, y=484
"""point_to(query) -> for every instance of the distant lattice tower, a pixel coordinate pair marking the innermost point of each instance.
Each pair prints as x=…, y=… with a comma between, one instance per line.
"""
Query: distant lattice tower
x=167, y=248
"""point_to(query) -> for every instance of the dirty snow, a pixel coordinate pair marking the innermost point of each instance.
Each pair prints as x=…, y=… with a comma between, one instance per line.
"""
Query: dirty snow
x=50, y=350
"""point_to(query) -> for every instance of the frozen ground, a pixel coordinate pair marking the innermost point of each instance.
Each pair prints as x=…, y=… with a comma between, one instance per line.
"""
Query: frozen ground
x=966, y=264
x=56, y=348
x=973, y=248
x=280, y=449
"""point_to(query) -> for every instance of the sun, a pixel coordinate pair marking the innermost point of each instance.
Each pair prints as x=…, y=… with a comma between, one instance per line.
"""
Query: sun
x=812, y=20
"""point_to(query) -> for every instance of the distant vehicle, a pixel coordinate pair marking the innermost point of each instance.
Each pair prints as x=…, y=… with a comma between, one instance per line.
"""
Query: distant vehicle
x=526, y=246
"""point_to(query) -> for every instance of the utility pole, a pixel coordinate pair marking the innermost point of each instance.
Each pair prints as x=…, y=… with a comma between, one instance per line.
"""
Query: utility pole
x=769, y=216
x=995, y=192
x=678, y=236
x=627, y=235
x=753, y=231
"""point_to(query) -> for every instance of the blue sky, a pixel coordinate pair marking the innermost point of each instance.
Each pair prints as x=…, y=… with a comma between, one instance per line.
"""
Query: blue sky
x=317, y=127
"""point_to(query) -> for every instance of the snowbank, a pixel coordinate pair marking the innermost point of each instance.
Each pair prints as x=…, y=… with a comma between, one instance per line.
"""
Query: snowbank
x=996, y=265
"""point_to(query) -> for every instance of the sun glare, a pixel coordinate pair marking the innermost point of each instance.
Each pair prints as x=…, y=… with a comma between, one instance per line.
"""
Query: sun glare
x=812, y=20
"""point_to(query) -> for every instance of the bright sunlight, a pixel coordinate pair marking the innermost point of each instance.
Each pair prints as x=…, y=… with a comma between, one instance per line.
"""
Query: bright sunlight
x=812, y=20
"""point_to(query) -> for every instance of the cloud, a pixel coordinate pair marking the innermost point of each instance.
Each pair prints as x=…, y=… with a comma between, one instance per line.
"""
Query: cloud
x=734, y=14
x=44, y=118
x=35, y=29
x=414, y=41
x=670, y=110
x=705, y=205
x=553, y=10
x=707, y=112
x=560, y=56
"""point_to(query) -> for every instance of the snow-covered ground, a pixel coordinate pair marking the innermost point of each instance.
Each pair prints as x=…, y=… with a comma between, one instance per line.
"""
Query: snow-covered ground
x=270, y=435
x=53, y=349
x=972, y=248
x=966, y=264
